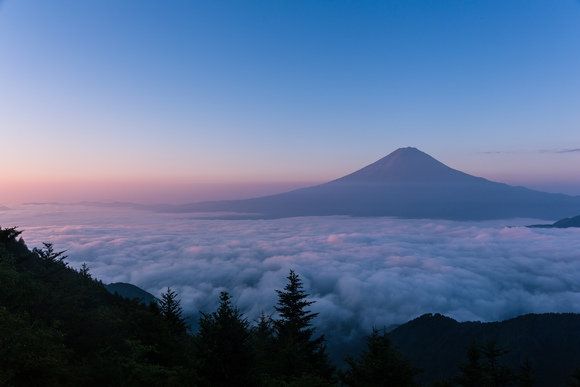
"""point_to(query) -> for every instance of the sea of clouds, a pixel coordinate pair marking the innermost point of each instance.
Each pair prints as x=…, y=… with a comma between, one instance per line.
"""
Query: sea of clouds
x=362, y=272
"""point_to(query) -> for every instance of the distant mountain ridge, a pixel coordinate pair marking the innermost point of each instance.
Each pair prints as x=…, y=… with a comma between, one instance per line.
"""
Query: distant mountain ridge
x=562, y=223
x=407, y=183
x=438, y=344
x=130, y=291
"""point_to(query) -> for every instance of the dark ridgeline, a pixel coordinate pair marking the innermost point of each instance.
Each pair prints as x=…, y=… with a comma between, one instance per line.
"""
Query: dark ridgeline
x=61, y=327
x=562, y=223
x=130, y=291
x=408, y=184
x=437, y=344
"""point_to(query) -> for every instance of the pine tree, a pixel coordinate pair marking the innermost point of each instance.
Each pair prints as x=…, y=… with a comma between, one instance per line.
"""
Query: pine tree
x=9, y=234
x=49, y=256
x=472, y=372
x=297, y=352
x=172, y=311
x=264, y=341
x=379, y=365
x=495, y=373
x=483, y=367
x=224, y=347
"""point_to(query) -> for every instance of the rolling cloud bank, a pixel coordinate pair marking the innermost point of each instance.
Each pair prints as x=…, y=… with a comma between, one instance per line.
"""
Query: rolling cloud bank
x=362, y=272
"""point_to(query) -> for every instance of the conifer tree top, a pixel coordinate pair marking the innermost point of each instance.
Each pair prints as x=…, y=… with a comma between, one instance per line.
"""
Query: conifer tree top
x=292, y=303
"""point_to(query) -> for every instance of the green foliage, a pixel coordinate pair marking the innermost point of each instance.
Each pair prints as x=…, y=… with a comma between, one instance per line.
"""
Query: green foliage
x=59, y=326
x=495, y=374
x=62, y=327
x=12, y=250
x=84, y=271
x=483, y=368
x=171, y=309
x=304, y=380
x=30, y=353
x=438, y=344
x=379, y=365
x=224, y=347
x=263, y=341
x=49, y=256
x=297, y=353
x=472, y=370
x=8, y=235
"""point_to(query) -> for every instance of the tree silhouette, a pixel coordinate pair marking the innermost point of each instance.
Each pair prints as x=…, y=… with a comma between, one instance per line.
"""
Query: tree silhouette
x=171, y=309
x=495, y=373
x=472, y=372
x=484, y=369
x=224, y=347
x=379, y=365
x=297, y=351
x=48, y=255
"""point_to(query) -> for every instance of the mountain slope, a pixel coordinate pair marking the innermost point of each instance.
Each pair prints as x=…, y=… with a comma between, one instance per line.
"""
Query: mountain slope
x=406, y=165
x=437, y=344
x=562, y=223
x=408, y=184
x=130, y=291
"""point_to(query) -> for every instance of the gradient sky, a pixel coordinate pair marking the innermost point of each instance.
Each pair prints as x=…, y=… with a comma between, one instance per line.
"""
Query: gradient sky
x=182, y=101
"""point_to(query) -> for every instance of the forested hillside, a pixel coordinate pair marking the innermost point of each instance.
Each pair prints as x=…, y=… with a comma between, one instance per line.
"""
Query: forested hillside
x=61, y=327
x=549, y=342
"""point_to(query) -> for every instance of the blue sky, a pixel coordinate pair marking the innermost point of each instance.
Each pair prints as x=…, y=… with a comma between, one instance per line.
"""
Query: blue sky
x=107, y=99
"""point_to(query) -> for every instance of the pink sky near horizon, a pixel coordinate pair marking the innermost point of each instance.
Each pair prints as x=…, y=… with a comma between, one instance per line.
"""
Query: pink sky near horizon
x=138, y=192
x=173, y=191
x=148, y=102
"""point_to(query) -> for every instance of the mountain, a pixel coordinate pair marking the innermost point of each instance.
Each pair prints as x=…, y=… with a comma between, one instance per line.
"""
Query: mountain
x=437, y=344
x=406, y=165
x=562, y=223
x=130, y=291
x=408, y=184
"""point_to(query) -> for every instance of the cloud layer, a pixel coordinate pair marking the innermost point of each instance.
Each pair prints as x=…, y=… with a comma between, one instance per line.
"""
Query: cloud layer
x=362, y=272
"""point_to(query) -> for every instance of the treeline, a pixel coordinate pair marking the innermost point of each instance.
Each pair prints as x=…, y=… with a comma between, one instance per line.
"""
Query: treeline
x=549, y=342
x=61, y=327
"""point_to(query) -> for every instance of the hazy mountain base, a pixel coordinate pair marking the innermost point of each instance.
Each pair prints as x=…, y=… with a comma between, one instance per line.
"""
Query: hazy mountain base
x=407, y=184
x=562, y=223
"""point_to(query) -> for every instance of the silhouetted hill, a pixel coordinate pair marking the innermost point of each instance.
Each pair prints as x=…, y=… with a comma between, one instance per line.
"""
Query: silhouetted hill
x=130, y=291
x=61, y=327
x=562, y=223
x=438, y=344
x=408, y=184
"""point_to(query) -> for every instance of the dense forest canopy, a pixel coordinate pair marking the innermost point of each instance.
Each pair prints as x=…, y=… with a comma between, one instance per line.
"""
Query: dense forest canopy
x=60, y=326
